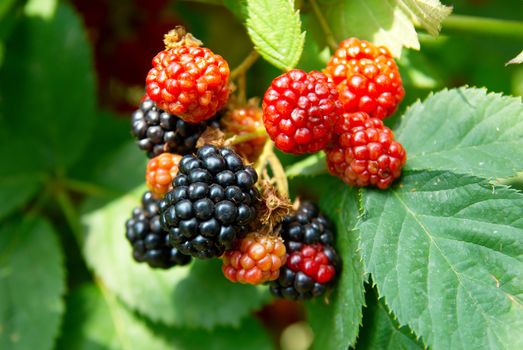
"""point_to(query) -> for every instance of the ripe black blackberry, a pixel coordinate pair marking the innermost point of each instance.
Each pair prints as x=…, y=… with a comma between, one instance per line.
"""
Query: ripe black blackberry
x=312, y=263
x=306, y=226
x=212, y=202
x=148, y=239
x=157, y=131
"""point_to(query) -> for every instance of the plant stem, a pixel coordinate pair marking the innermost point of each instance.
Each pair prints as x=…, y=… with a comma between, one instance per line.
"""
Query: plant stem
x=483, y=26
x=249, y=136
x=331, y=41
x=70, y=214
x=85, y=188
x=279, y=174
x=245, y=65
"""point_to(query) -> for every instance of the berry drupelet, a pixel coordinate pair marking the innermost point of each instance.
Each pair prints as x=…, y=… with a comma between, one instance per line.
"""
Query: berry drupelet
x=160, y=173
x=148, y=240
x=212, y=202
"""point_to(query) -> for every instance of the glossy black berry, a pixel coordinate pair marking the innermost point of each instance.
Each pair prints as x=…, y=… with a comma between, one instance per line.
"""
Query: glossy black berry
x=306, y=226
x=212, y=202
x=149, y=241
x=157, y=131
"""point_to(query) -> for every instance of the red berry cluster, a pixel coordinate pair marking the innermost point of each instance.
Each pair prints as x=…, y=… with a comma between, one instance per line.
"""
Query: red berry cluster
x=312, y=261
x=364, y=152
x=340, y=111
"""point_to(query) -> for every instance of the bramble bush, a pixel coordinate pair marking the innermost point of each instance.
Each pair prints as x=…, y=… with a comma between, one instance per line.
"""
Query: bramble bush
x=435, y=261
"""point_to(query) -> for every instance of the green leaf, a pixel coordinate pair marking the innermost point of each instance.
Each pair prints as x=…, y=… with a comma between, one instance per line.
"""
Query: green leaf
x=15, y=191
x=465, y=130
x=32, y=281
x=446, y=253
x=275, y=29
x=516, y=60
x=237, y=7
x=310, y=166
x=336, y=324
x=96, y=320
x=194, y=296
x=48, y=78
x=380, y=331
x=381, y=21
x=427, y=13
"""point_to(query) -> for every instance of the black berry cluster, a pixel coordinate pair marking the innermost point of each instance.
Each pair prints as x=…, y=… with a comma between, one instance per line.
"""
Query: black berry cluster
x=148, y=240
x=212, y=202
x=157, y=131
x=312, y=262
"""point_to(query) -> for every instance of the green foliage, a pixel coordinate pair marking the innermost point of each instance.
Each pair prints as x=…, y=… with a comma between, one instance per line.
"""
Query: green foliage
x=32, y=281
x=465, y=130
x=516, y=60
x=275, y=29
x=443, y=249
x=195, y=296
x=336, y=324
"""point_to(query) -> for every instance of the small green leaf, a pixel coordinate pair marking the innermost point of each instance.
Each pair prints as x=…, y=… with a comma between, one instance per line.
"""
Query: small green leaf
x=428, y=13
x=336, y=324
x=465, y=130
x=446, y=253
x=47, y=75
x=380, y=331
x=194, y=296
x=516, y=60
x=32, y=282
x=96, y=320
x=310, y=166
x=275, y=29
x=15, y=191
x=381, y=21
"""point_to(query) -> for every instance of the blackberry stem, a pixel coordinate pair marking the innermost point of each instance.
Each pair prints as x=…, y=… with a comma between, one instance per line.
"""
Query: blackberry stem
x=71, y=216
x=483, y=26
x=86, y=188
x=249, y=136
x=243, y=67
x=331, y=41
x=269, y=157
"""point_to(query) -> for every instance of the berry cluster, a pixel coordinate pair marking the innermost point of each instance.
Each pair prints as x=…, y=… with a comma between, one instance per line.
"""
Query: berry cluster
x=308, y=112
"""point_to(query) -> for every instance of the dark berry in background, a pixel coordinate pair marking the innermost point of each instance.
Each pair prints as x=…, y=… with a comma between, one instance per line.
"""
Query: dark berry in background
x=148, y=240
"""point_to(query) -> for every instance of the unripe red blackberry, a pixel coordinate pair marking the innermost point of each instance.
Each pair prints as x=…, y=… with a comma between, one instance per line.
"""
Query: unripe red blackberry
x=149, y=241
x=160, y=173
x=212, y=202
x=187, y=80
x=312, y=263
x=307, y=273
x=299, y=110
x=157, y=131
x=245, y=120
x=367, y=78
x=256, y=259
x=365, y=152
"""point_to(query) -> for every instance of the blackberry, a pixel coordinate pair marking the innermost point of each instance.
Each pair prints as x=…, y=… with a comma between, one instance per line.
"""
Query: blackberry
x=148, y=239
x=157, y=131
x=306, y=226
x=211, y=204
x=312, y=263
